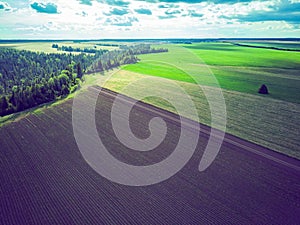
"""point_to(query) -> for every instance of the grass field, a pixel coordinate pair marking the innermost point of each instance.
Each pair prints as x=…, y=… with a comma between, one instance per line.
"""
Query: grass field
x=236, y=68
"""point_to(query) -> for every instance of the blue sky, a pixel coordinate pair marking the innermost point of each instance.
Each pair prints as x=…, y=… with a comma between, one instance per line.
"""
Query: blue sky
x=96, y=19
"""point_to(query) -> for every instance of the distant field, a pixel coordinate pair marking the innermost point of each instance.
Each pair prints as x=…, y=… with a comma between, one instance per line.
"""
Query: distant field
x=35, y=47
x=236, y=68
x=274, y=44
x=47, y=46
x=226, y=54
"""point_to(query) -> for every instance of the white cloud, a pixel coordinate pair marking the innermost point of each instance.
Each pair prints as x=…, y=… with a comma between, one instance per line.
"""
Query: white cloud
x=78, y=20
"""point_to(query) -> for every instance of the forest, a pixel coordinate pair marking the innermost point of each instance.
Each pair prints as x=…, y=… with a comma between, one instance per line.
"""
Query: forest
x=28, y=79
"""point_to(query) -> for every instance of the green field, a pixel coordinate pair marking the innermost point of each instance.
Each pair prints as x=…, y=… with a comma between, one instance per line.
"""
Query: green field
x=226, y=54
x=236, y=68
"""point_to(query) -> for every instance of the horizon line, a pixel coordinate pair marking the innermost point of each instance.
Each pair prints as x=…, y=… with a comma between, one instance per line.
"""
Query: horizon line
x=150, y=39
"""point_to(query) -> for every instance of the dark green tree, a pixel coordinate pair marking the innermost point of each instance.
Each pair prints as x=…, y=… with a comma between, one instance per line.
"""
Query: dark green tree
x=3, y=105
x=79, y=70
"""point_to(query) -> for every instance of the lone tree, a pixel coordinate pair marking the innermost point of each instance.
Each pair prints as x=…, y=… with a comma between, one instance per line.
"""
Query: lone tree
x=79, y=71
x=3, y=105
x=263, y=90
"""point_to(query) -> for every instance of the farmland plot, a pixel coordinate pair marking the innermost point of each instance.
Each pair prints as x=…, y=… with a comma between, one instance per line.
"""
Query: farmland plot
x=45, y=180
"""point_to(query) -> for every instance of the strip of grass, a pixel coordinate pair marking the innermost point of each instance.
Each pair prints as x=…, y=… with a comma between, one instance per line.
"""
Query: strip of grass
x=283, y=45
x=160, y=70
x=226, y=54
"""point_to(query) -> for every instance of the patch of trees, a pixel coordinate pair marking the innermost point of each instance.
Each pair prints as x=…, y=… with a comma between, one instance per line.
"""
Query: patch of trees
x=72, y=49
x=28, y=79
x=108, y=45
x=112, y=59
x=143, y=49
x=126, y=55
x=182, y=42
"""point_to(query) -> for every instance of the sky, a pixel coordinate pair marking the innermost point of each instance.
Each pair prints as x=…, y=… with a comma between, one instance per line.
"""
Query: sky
x=102, y=19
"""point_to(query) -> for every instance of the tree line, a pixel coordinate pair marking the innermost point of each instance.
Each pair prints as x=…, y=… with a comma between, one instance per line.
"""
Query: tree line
x=28, y=79
x=142, y=49
x=73, y=49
